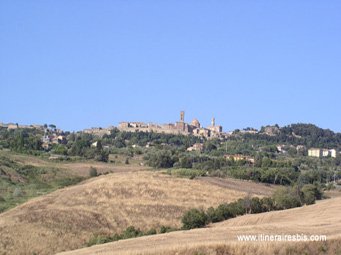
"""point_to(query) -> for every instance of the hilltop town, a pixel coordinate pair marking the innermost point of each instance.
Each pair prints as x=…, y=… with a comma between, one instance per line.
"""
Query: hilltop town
x=51, y=135
x=180, y=127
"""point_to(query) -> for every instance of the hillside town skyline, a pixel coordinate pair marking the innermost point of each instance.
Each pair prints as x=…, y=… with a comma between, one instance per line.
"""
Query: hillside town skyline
x=130, y=125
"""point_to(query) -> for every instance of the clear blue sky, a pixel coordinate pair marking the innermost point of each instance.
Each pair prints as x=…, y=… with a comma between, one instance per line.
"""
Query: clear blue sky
x=80, y=64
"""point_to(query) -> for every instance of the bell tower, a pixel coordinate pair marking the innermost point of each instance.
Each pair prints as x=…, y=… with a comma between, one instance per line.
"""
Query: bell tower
x=213, y=122
x=182, y=116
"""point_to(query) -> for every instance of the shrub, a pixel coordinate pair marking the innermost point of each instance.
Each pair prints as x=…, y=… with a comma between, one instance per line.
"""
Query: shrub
x=101, y=156
x=131, y=232
x=69, y=181
x=161, y=159
x=18, y=192
x=214, y=215
x=285, y=198
x=223, y=212
x=151, y=231
x=99, y=239
x=185, y=162
x=310, y=193
x=267, y=204
x=60, y=149
x=31, y=171
x=256, y=205
x=217, y=173
x=194, y=218
x=165, y=229
x=237, y=208
x=93, y=172
x=330, y=186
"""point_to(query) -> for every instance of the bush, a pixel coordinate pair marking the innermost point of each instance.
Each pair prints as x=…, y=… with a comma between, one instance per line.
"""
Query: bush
x=237, y=208
x=256, y=205
x=285, y=198
x=69, y=181
x=165, y=229
x=267, y=204
x=93, y=172
x=151, y=231
x=311, y=193
x=214, y=215
x=131, y=232
x=99, y=239
x=194, y=218
x=218, y=173
x=101, y=156
x=223, y=212
x=185, y=162
x=60, y=149
x=161, y=159
x=18, y=192
x=31, y=171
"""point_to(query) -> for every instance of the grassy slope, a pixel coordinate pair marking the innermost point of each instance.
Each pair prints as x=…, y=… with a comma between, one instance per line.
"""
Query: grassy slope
x=323, y=218
x=35, y=176
x=67, y=218
x=20, y=182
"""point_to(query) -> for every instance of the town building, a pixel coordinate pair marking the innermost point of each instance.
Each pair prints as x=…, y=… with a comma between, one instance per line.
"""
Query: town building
x=98, y=131
x=319, y=153
x=196, y=147
x=239, y=157
x=180, y=127
x=314, y=152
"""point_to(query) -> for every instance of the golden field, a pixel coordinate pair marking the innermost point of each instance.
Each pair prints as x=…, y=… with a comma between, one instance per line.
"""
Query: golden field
x=67, y=218
x=323, y=218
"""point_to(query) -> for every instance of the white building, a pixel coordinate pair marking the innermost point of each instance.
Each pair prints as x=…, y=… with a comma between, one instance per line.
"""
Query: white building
x=325, y=153
x=319, y=153
x=333, y=153
x=314, y=152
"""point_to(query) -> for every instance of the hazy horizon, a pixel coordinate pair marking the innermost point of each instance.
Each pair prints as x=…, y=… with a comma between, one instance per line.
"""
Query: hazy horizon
x=248, y=64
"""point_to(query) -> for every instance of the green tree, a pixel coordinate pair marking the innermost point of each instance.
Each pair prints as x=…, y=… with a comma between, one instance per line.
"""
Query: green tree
x=311, y=193
x=215, y=215
x=194, y=218
x=161, y=159
x=285, y=198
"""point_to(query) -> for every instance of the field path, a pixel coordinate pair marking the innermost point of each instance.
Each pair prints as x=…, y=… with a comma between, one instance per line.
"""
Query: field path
x=249, y=187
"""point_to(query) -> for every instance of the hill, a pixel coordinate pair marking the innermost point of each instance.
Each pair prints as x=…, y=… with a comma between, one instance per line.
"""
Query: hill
x=23, y=176
x=323, y=218
x=67, y=218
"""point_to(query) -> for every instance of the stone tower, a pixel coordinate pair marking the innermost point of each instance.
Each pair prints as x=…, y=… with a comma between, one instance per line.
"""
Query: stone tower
x=213, y=122
x=182, y=116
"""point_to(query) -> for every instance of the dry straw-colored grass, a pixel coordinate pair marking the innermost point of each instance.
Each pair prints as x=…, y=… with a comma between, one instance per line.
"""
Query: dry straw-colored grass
x=323, y=218
x=67, y=218
x=78, y=168
x=332, y=247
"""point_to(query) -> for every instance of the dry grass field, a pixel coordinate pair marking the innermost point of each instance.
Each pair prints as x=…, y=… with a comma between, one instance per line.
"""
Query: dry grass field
x=79, y=168
x=67, y=218
x=250, y=187
x=323, y=218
